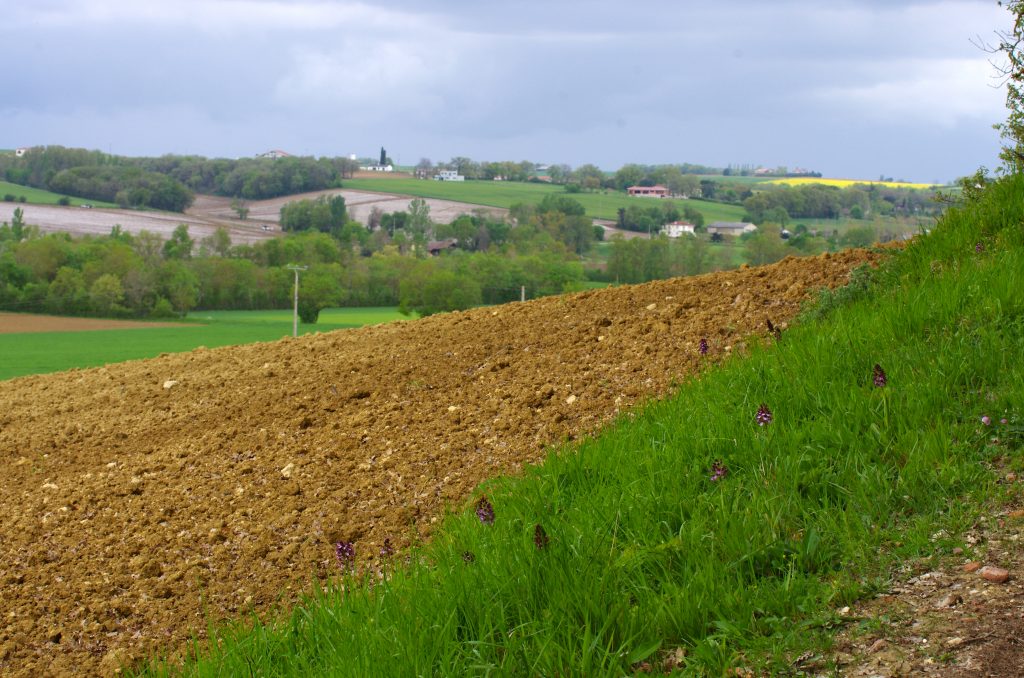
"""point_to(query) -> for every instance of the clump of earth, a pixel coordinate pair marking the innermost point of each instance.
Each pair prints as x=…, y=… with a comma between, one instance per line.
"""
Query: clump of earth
x=142, y=499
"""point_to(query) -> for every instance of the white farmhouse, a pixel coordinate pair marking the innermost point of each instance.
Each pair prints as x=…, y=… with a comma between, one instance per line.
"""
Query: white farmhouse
x=677, y=228
x=448, y=175
x=731, y=227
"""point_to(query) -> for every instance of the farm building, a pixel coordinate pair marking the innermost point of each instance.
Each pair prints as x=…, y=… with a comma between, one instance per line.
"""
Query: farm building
x=731, y=227
x=18, y=152
x=378, y=168
x=274, y=154
x=677, y=228
x=656, y=191
x=435, y=247
x=448, y=175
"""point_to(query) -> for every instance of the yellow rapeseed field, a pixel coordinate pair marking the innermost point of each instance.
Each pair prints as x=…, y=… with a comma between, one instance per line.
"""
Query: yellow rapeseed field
x=843, y=183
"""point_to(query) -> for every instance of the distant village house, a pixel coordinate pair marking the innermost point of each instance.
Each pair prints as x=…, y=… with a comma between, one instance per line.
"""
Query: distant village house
x=18, y=152
x=733, y=228
x=657, y=191
x=448, y=175
x=677, y=229
x=274, y=154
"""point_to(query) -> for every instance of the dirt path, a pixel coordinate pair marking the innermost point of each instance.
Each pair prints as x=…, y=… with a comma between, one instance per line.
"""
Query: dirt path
x=134, y=496
x=947, y=620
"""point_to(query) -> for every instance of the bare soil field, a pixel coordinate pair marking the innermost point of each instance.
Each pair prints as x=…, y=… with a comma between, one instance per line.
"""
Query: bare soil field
x=99, y=221
x=13, y=323
x=359, y=204
x=141, y=500
x=210, y=212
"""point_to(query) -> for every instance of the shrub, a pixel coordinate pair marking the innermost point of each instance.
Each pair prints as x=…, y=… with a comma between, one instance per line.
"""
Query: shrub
x=162, y=309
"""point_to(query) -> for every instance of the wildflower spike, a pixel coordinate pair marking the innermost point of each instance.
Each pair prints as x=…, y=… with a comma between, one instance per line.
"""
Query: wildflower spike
x=484, y=511
x=879, y=376
x=718, y=471
x=703, y=346
x=540, y=537
x=387, y=550
x=764, y=415
x=345, y=552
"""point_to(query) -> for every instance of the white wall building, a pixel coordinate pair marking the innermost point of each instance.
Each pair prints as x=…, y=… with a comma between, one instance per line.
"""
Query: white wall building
x=677, y=228
x=448, y=175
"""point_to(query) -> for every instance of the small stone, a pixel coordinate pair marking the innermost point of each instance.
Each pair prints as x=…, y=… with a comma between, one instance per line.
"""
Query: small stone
x=570, y=400
x=878, y=646
x=651, y=307
x=1018, y=513
x=952, y=600
x=170, y=383
x=954, y=642
x=996, y=575
x=1011, y=477
x=286, y=472
x=957, y=551
x=972, y=567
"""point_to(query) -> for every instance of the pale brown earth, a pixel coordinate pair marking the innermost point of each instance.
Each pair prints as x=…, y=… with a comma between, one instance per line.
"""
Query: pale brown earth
x=359, y=204
x=209, y=212
x=945, y=619
x=12, y=323
x=141, y=500
x=100, y=220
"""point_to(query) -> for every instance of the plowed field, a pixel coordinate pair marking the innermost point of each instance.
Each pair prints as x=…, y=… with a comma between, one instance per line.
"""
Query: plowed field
x=138, y=498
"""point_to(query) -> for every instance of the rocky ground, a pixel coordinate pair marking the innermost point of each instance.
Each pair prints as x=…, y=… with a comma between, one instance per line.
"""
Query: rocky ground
x=962, y=618
x=141, y=500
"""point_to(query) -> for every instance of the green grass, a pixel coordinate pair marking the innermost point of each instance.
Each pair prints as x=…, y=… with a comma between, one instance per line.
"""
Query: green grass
x=507, y=193
x=648, y=554
x=38, y=196
x=43, y=352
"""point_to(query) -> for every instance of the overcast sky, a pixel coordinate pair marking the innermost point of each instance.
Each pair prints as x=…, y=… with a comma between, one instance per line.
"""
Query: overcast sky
x=848, y=88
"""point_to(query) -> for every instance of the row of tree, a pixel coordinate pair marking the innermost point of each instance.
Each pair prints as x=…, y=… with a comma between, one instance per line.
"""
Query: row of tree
x=817, y=201
x=145, y=275
x=169, y=182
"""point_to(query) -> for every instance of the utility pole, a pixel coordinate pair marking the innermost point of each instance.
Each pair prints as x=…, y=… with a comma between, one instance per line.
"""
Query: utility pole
x=295, y=310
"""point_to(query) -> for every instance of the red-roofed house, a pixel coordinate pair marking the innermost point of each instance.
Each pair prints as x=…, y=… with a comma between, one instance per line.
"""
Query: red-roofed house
x=648, y=191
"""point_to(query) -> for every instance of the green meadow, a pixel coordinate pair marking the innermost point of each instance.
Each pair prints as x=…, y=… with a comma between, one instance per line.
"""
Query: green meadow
x=40, y=197
x=600, y=205
x=43, y=352
x=727, y=526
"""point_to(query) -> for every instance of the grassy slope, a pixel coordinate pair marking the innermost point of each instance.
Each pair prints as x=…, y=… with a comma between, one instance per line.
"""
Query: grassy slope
x=648, y=554
x=40, y=197
x=505, y=194
x=42, y=352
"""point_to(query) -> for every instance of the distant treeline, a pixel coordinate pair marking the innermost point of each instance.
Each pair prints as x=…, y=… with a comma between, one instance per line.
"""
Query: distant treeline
x=168, y=182
x=485, y=261
x=779, y=204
